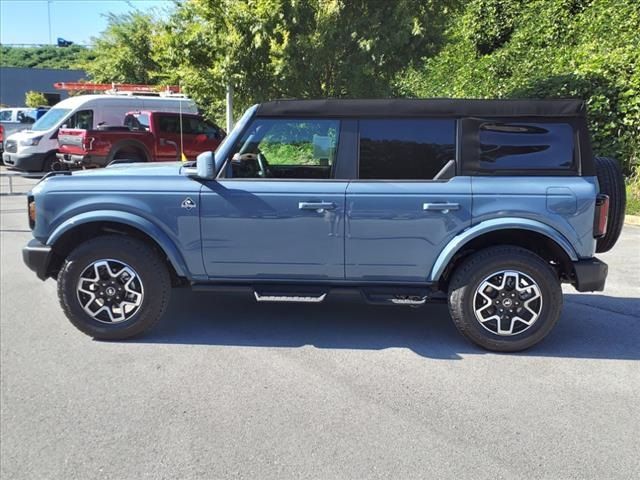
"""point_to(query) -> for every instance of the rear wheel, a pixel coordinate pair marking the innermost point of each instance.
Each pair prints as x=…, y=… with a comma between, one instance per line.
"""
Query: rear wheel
x=128, y=156
x=505, y=298
x=113, y=287
x=611, y=182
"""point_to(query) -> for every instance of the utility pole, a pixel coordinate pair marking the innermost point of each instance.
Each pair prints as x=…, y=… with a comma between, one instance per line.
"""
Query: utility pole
x=49, y=20
x=229, y=106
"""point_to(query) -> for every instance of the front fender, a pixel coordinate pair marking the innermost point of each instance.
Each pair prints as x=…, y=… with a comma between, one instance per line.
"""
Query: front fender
x=458, y=242
x=132, y=220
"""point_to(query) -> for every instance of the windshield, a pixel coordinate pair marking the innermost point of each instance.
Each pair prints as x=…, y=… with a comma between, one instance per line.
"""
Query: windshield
x=223, y=149
x=50, y=119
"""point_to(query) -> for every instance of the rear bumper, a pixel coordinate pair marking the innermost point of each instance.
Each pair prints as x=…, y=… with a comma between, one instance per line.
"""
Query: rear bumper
x=77, y=160
x=36, y=256
x=71, y=159
x=590, y=275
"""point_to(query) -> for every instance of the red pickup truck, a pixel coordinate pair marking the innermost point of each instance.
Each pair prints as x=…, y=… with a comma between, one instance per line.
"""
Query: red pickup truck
x=144, y=137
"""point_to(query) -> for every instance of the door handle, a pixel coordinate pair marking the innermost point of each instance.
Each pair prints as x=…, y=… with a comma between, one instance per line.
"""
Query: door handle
x=319, y=207
x=441, y=207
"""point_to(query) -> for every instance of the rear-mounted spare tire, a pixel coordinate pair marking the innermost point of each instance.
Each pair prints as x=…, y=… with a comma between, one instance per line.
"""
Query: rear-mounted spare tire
x=611, y=183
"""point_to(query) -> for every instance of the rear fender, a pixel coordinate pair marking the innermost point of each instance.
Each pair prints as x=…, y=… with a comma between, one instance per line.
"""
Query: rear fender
x=135, y=221
x=458, y=243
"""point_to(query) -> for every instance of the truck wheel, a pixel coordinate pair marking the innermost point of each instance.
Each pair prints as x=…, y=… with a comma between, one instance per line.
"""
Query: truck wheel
x=611, y=183
x=130, y=157
x=505, y=298
x=113, y=287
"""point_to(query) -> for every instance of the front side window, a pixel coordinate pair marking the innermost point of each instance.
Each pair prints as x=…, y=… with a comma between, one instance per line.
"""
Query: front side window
x=405, y=149
x=287, y=148
x=526, y=146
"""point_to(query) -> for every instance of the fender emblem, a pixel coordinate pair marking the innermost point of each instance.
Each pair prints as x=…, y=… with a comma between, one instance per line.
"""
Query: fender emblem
x=188, y=203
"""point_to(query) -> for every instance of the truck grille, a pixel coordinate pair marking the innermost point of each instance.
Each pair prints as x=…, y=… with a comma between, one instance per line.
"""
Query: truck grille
x=10, y=146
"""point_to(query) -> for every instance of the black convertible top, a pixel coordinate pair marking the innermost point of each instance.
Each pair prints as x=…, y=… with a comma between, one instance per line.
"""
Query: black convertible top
x=434, y=107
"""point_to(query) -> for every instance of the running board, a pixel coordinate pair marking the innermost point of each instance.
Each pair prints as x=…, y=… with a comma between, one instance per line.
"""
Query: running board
x=290, y=298
x=408, y=300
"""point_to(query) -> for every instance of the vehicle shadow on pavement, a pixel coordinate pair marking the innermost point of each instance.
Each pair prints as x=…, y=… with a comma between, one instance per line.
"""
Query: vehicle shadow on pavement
x=605, y=327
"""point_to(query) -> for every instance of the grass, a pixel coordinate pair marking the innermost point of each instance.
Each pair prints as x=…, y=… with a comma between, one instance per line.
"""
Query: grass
x=633, y=192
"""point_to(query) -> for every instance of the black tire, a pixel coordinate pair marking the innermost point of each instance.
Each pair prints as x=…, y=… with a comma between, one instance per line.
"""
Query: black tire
x=51, y=163
x=469, y=275
x=152, y=272
x=130, y=157
x=611, y=181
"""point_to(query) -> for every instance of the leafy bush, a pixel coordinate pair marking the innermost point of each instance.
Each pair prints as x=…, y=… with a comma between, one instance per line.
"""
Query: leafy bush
x=546, y=48
x=35, y=99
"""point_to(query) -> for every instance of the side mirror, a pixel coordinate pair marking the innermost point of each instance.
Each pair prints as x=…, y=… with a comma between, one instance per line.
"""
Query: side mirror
x=205, y=168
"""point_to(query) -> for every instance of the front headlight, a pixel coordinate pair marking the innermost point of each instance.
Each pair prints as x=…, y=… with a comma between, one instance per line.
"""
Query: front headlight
x=30, y=142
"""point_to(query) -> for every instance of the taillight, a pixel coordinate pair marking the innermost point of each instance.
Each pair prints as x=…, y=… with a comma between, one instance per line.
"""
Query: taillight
x=1, y=133
x=87, y=143
x=602, y=216
x=31, y=211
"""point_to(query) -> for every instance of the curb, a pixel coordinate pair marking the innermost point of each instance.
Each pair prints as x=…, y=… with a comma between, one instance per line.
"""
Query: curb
x=632, y=220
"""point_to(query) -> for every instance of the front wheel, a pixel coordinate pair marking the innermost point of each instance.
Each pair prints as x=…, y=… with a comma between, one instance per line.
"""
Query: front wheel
x=113, y=287
x=505, y=298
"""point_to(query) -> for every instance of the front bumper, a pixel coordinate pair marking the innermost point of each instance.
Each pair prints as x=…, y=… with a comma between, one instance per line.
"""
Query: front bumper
x=590, y=275
x=37, y=257
x=30, y=162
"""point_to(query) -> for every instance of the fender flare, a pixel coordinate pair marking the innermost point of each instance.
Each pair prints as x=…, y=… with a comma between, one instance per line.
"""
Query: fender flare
x=162, y=239
x=496, y=224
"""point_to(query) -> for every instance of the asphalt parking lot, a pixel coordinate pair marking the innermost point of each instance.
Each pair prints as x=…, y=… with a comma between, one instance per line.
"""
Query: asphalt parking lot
x=227, y=388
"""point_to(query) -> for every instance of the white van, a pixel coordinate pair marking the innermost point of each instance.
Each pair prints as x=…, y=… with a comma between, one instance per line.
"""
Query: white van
x=35, y=149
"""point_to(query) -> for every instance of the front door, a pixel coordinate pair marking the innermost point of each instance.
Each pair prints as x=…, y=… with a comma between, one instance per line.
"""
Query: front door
x=278, y=213
x=407, y=202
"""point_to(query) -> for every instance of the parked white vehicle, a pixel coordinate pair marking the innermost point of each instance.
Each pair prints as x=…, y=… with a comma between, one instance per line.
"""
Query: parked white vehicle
x=19, y=118
x=35, y=149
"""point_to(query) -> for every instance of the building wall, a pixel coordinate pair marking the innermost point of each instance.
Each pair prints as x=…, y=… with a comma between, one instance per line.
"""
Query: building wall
x=15, y=82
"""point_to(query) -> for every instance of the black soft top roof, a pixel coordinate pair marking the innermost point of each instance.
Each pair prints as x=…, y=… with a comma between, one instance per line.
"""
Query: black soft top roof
x=436, y=107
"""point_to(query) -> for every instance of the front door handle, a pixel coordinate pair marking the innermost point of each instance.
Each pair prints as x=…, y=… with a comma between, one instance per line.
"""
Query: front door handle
x=441, y=207
x=319, y=207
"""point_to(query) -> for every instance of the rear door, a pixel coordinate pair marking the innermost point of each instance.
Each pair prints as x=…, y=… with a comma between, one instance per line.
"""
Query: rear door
x=407, y=202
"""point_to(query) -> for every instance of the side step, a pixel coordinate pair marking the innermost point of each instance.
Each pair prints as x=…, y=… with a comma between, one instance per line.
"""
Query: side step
x=306, y=298
x=410, y=296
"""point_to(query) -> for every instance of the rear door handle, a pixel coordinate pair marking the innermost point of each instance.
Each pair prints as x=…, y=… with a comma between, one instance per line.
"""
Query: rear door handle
x=441, y=207
x=319, y=207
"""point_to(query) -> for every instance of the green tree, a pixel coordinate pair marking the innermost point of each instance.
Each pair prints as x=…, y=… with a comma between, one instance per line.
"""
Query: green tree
x=546, y=48
x=35, y=99
x=290, y=48
x=123, y=52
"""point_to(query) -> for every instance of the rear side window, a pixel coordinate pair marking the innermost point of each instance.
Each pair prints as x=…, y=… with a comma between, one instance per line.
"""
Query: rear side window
x=405, y=149
x=197, y=126
x=81, y=119
x=137, y=121
x=526, y=146
x=169, y=124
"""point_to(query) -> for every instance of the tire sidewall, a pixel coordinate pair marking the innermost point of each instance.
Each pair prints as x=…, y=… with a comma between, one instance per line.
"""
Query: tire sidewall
x=152, y=282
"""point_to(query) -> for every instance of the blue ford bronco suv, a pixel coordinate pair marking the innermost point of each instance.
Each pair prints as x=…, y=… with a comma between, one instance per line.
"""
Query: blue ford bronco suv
x=491, y=204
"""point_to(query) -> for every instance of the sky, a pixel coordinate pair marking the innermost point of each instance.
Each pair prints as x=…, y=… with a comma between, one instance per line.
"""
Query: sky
x=26, y=21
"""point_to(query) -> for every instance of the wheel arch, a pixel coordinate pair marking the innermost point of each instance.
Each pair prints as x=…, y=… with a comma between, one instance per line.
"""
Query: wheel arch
x=128, y=145
x=78, y=229
x=535, y=236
